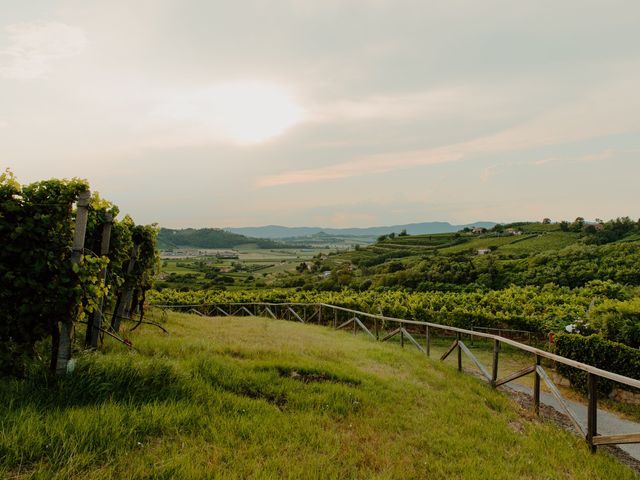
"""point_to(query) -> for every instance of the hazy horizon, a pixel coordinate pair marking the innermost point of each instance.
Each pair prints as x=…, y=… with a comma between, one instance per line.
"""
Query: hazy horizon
x=349, y=113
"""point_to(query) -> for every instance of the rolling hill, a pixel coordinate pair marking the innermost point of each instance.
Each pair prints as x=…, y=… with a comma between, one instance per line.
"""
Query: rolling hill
x=258, y=398
x=208, y=238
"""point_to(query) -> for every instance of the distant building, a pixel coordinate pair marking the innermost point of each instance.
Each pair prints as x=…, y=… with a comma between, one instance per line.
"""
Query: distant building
x=484, y=251
x=513, y=231
x=478, y=230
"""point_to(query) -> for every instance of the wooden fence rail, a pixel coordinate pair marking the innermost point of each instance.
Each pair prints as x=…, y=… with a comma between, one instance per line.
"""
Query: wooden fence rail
x=330, y=315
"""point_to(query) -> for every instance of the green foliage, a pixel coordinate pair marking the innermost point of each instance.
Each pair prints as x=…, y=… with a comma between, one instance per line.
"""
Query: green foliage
x=577, y=265
x=596, y=351
x=618, y=321
x=610, y=231
x=39, y=286
x=538, y=309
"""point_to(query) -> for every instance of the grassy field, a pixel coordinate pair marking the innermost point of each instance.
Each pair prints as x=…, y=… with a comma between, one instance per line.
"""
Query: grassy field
x=258, y=398
x=481, y=242
x=540, y=243
x=255, y=263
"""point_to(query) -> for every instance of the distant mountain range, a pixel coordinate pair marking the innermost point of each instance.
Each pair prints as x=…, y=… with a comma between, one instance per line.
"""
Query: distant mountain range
x=279, y=232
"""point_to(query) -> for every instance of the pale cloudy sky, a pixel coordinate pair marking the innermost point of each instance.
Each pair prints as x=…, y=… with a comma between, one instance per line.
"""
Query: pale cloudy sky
x=328, y=112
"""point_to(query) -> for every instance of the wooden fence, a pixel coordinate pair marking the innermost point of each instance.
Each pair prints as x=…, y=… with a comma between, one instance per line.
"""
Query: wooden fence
x=382, y=328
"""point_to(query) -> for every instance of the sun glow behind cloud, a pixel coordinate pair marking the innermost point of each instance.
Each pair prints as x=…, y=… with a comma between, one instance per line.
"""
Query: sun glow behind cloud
x=244, y=112
x=176, y=96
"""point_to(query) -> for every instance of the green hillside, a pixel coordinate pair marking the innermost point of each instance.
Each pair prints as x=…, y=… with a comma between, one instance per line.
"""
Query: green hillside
x=258, y=398
x=566, y=254
x=208, y=238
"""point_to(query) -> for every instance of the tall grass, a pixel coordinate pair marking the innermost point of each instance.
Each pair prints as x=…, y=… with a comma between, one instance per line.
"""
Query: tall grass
x=257, y=398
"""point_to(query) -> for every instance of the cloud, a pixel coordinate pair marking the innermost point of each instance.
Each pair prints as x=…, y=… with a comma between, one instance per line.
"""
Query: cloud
x=602, y=156
x=435, y=103
x=381, y=163
x=34, y=46
x=488, y=172
x=608, y=112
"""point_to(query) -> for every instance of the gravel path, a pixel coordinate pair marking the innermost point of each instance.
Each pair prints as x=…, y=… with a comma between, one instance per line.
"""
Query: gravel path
x=608, y=423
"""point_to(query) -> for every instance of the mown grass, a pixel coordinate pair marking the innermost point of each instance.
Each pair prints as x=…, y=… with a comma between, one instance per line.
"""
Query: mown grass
x=258, y=398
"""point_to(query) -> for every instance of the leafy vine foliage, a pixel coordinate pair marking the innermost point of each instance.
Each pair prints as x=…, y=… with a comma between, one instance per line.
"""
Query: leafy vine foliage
x=537, y=309
x=599, y=352
x=39, y=285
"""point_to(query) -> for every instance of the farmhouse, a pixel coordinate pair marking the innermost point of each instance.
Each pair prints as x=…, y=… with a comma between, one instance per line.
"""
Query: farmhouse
x=478, y=230
x=484, y=251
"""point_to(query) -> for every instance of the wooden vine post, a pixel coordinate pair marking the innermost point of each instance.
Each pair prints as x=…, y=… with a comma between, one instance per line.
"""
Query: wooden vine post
x=66, y=330
x=127, y=294
x=95, y=320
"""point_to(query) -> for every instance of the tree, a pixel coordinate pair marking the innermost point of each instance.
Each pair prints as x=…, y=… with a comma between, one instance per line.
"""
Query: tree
x=546, y=221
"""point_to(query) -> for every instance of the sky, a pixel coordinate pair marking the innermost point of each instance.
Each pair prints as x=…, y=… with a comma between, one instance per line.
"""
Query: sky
x=336, y=113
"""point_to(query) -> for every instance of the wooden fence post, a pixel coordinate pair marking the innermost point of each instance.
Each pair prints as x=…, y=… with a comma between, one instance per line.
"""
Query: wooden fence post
x=66, y=330
x=127, y=294
x=95, y=319
x=494, y=370
x=459, y=352
x=335, y=318
x=536, y=388
x=592, y=412
x=427, y=341
x=377, y=328
x=401, y=336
